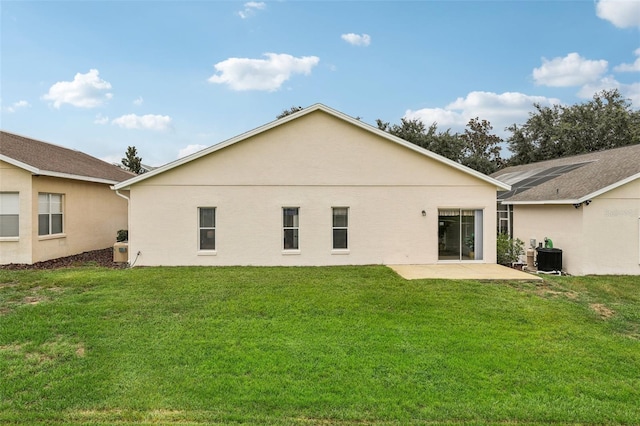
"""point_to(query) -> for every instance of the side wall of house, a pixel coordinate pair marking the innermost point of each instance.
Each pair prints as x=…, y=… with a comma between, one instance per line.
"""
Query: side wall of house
x=17, y=249
x=612, y=232
x=314, y=163
x=563, y=224
x=93, y=214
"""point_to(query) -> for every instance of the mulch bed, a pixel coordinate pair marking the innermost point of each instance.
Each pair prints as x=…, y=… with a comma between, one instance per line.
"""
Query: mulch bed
x=102, y=258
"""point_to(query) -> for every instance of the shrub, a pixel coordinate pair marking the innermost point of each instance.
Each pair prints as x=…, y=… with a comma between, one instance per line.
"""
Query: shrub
x=509, y=250
x=123, y=235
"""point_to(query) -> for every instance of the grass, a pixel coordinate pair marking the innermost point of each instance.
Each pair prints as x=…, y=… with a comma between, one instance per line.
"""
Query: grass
x=337, y=345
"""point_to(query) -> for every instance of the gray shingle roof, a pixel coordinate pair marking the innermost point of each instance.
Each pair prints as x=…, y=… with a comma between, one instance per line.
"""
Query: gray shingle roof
x=600, y=170
x=55, y=160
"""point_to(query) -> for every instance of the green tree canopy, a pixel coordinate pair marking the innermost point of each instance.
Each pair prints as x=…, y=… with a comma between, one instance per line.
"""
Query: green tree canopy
x=481, y=149
x=476, y=147
x=132, y=162
x=607, y=121
x=415, y=131
x=289, y=111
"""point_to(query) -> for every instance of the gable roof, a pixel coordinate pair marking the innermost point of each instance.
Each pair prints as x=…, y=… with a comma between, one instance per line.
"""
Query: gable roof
x=41, y=158
x=570, y=180
x=302, y=113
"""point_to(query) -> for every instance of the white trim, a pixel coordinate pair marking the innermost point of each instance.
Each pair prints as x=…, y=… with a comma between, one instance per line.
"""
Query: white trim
x=38, y=172
x=340, y=251
x=51, y=236
x=541, y=202
x=2, y=239
x=316, y=107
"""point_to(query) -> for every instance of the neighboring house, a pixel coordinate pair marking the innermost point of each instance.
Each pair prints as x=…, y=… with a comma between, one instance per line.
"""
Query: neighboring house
x=144, y=168
x=313, y=188
x=588, y=205
x=55, y=202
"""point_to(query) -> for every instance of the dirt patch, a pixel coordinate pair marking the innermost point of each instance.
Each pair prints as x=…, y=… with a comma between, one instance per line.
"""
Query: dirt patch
x=33, y=300
x=102, y=258
x=602, y=310
x=80, y=352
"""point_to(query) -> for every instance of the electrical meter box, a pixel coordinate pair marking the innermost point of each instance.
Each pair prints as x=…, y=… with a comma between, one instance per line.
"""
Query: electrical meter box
x=121, y=252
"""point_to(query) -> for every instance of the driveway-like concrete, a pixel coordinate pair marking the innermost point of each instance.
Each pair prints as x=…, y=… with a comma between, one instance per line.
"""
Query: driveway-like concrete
x=462, y=271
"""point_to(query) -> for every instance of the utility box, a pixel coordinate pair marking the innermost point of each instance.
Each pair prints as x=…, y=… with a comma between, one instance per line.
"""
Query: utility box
x=549, y=259
x=121, y=252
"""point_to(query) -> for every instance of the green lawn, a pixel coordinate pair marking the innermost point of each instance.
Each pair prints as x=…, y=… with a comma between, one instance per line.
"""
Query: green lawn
x=338, y=345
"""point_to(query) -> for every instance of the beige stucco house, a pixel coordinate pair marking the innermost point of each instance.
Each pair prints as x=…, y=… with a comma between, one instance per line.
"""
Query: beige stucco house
x=314, y=188
x=55, y=202
x=588, y=205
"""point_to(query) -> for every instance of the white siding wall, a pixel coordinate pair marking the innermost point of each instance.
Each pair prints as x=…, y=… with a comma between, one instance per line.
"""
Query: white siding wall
x=315, y=162
x=600, y=238
x=612, y=234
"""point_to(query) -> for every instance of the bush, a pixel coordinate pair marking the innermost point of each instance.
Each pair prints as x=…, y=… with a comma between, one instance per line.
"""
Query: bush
x=123, y=235
x=509, y=250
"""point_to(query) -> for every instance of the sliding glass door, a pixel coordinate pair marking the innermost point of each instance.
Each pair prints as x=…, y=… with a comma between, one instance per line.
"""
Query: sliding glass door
x=459, y=234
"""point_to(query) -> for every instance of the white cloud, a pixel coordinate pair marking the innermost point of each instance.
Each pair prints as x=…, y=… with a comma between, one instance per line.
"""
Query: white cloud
x=357, y=39
x=17, y=105
x=101, y=119
x=572, y=70
x=621, y=13
x=630, y=91
x=261, y=74
x=501, y=110
x=139, y=101
x=146, y=122
x=190, y=149
x=250, y=9
x=85, y=91
x=630, y=67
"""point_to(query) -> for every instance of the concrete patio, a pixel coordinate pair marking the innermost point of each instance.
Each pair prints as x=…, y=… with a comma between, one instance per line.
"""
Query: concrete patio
x=462, y=271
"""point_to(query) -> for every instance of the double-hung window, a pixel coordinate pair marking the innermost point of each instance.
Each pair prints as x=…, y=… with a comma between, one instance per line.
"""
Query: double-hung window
x=50, y=214
x=340, y=227
x=291, y=228
x=9, y=214
x=207, y=226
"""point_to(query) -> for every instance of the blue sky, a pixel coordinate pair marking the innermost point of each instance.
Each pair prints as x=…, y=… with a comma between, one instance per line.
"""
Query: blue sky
x=172, y=77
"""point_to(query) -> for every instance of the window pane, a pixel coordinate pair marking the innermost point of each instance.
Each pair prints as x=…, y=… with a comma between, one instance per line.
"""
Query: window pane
x=9, y=203
x=207, y=218
x=43, y=224
x=56, y=203
x=43, y=203
x=56, y=224
x=207, y=239
x=290, y=217
x=449, y=235
x=9, y=225
x=339, y=238
x=290, y=239
x=340, y=216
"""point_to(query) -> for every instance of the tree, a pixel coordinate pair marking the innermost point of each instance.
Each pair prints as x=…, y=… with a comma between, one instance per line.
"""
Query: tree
x=289, y=111
x=414, y=130
x=481, y=149
x=607, y=121
x=132, y=162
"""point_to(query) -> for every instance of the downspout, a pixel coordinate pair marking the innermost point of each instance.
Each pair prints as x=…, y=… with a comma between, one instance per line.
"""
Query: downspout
x=121, y=195
x=128, y=208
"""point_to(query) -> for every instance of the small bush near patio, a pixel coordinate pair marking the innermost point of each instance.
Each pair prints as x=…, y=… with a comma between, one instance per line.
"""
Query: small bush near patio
x=339, y=345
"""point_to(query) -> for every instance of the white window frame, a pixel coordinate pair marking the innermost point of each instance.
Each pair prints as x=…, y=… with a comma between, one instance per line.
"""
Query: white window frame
x=213, y=228
x=50, y=214
x=10, y=206
x=295, y=227
x=334, y=228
